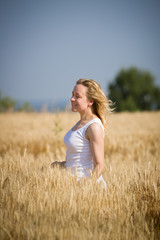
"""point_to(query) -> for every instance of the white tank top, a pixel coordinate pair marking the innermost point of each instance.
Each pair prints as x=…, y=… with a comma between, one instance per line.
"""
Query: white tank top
x=79, y=156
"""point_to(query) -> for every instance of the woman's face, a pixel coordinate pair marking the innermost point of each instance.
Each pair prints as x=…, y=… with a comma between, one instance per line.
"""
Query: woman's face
x=79, y=99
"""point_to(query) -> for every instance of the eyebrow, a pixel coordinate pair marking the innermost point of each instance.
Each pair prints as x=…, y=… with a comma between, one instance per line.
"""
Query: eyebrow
x=77, y=93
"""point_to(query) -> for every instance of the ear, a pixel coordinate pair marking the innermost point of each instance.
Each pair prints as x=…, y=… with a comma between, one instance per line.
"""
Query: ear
x=91, y=103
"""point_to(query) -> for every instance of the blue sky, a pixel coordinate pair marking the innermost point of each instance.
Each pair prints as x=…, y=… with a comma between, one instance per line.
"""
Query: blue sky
x=45, y=46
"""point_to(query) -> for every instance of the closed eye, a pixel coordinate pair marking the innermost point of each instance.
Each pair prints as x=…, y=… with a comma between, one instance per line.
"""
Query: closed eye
x=76, y=95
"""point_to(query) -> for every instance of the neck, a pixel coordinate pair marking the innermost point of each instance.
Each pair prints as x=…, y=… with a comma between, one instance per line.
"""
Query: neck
x=86, y=115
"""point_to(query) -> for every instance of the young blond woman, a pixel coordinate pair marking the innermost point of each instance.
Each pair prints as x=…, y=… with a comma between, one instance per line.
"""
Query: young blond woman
x=85, y=140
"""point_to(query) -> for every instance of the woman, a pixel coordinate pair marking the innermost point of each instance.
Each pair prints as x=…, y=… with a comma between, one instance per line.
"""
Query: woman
x=85, y=141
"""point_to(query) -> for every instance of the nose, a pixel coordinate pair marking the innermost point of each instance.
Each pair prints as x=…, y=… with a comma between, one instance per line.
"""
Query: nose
x=72, y=99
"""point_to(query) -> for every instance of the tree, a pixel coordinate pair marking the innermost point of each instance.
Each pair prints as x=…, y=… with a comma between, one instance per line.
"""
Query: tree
x=6, y=103
x=134, y=90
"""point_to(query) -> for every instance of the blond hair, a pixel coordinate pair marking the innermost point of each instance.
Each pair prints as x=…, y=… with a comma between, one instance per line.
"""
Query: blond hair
x=101, y=104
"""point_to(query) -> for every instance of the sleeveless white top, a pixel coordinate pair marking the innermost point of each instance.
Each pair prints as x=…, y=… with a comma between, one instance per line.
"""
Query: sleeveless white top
x=79, y=157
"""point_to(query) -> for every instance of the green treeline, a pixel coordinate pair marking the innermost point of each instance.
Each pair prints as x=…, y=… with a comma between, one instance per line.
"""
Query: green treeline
x=9, y=104
x=6, y=103
x=134, y=90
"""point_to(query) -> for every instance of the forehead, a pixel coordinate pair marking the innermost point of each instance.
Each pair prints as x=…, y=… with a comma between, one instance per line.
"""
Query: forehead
x=80, y=89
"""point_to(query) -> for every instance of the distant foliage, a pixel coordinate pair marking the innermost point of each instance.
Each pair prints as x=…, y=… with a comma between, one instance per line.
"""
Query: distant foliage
x=9, y=104
x=6, y=103
x=26, y=107
x=134, y=90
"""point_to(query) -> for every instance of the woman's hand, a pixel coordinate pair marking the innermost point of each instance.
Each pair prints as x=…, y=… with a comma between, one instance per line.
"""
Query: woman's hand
x=58, y=164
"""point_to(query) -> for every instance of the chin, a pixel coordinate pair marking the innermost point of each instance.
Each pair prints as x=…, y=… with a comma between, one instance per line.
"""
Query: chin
x=74, y=110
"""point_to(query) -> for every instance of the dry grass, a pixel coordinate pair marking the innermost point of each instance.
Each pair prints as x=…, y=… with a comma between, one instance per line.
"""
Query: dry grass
x=37, y=202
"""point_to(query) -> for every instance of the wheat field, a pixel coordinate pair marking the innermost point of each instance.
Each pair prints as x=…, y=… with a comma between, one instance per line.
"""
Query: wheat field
x=40, y=203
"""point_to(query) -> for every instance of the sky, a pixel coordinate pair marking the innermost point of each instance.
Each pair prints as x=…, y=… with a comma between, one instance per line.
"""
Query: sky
x=45, y=46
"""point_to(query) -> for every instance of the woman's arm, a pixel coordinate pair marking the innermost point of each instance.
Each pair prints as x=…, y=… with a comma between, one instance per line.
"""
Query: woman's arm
x=60, y=164
x=94, y=134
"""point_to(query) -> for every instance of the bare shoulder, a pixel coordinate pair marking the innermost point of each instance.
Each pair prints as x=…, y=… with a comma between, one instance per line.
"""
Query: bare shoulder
x=94, y=130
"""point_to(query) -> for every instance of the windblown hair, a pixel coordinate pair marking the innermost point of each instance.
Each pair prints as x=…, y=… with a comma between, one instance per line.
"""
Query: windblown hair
x=101, y=104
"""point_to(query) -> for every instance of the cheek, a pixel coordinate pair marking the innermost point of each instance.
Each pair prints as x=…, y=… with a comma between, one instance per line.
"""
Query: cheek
x=84, y=104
